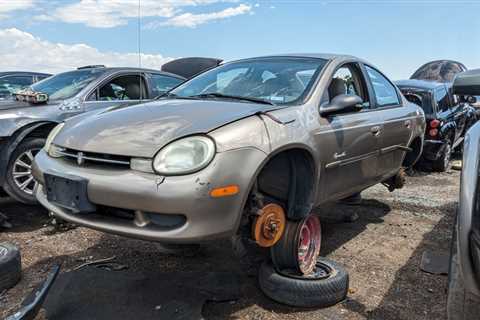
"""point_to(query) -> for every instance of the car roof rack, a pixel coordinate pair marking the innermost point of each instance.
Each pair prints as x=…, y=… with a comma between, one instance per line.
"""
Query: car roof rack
x=93, y=66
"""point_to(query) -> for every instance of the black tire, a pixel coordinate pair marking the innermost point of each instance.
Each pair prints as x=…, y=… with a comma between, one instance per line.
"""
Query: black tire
x=10, y=186
x=10, y=266
x=442, y=163
x=461, y=305
x=304, y=291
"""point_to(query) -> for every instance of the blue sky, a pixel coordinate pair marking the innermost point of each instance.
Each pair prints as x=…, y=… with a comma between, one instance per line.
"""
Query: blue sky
x=398, y=36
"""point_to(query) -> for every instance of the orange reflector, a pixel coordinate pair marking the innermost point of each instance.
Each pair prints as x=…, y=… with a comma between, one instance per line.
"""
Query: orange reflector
x=224, y=191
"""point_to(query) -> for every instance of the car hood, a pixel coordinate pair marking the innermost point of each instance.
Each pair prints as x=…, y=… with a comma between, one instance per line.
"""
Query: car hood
x=142, y=130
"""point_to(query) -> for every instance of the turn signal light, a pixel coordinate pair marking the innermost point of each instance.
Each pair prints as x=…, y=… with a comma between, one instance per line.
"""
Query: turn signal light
x=224, y=191
x=434, y=123
x=433, y=132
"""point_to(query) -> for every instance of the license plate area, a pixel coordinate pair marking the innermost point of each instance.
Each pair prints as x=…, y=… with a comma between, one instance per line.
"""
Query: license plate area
x=69, y=192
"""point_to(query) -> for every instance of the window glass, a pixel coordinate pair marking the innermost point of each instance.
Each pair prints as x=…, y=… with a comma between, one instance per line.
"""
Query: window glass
x=278, y=80
x=68, y=84
x=122, y=88
x=441, y=97
x=384, y=90
x=162, y=84
x=347, y=80
x=11, y=84
x=420, y=97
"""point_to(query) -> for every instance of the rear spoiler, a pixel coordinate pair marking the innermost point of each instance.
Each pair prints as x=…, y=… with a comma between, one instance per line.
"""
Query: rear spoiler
x=467, y=83
x=189, y=67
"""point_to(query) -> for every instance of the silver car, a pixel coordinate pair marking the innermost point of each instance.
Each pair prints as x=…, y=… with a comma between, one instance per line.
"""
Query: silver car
x=249, y=148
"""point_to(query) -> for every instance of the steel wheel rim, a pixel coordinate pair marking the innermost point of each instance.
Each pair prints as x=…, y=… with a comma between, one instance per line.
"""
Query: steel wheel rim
x=3, y=251
x=319, y=272
x=308, y=245
x=22, y=171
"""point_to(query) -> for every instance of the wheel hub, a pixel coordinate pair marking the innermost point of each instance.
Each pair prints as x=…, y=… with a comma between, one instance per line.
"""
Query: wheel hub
x=269, y=225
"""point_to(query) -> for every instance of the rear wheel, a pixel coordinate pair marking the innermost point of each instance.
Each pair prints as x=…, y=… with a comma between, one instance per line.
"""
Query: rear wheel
x=442, y=163
x=19, y=183
x=299, y=247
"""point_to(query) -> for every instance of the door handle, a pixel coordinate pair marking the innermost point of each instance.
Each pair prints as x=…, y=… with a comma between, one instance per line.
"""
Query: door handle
x=375, y=130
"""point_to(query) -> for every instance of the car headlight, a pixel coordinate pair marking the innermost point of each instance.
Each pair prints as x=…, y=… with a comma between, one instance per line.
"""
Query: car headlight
x=184, y=156
x=52, y=136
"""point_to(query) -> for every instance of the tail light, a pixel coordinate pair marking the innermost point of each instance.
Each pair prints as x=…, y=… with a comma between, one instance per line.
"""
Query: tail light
x=433, y=132
x=434, y=123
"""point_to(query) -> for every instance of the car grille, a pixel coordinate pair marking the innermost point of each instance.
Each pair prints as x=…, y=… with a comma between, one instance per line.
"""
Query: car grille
x=84, y=158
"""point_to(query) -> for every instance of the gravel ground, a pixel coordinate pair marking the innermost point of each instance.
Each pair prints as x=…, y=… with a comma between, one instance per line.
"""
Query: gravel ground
x=381, y=250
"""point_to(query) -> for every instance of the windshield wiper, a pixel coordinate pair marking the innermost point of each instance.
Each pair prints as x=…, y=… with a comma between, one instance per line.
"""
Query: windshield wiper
x=226, y=96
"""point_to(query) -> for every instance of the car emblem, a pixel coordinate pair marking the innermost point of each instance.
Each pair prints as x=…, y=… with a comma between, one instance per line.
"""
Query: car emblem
x=80, y=159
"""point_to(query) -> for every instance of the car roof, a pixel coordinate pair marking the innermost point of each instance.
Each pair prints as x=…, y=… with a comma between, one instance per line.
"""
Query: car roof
x=325, y=56
x=420, y=84
x=116, y=69
x=27, y=73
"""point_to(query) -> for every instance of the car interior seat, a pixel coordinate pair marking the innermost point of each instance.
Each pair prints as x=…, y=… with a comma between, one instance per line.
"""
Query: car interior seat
x=337, y=87
x=132, y=90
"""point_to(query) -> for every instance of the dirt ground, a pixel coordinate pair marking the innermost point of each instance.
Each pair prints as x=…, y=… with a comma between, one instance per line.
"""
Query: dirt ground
x=381, y=250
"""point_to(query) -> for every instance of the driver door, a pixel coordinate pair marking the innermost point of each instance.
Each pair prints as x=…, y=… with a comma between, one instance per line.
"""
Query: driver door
x=348, y=142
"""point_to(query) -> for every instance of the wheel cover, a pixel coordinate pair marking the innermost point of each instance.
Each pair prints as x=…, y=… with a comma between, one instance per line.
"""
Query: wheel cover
x=3, y=251
x=308, y=245
x=22, y=171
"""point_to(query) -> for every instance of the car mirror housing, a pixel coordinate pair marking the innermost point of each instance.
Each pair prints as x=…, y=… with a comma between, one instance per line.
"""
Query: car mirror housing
x=341, y=104
x=472, y=99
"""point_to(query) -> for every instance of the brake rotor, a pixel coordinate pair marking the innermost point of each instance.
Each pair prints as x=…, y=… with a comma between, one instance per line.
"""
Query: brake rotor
x=269, y=225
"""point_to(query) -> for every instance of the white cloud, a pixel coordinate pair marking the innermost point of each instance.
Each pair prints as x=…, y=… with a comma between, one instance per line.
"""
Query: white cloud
x=7, y=6
x=113, y=13
x=22, y=51
x=191, y=20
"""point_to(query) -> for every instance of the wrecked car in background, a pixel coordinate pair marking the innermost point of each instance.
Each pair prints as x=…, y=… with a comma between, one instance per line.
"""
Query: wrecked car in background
x=448, y=118
x=464, y=279
x=13, y=81
x=244, y=150
x=26, y=123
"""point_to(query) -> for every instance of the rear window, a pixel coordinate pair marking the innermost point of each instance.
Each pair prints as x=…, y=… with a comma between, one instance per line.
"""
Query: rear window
x=420, y=98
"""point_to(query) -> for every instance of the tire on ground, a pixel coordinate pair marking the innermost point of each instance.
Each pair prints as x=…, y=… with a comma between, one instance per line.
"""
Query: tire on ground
x=442, y=163
x=307, y=293
x=10, y=266
x=10, y=187
x=461, y=304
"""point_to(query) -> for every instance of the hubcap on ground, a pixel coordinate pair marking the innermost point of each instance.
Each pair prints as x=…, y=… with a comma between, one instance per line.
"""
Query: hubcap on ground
x=22, y=171
x=298, y=249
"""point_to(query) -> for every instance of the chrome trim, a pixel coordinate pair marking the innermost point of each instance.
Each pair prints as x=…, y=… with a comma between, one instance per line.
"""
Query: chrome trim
x=81, y=157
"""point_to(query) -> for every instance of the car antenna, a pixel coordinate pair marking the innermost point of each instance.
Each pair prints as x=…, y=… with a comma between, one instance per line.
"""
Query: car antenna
x=139, y=44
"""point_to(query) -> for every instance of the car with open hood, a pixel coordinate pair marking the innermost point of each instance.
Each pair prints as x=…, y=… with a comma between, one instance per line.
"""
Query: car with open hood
x=26, y=122
x=448, y=116
x=247, y=148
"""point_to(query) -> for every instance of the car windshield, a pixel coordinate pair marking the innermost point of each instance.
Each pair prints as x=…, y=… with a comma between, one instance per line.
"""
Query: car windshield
x=276, y=80
x=419, y=97
x=66, y=85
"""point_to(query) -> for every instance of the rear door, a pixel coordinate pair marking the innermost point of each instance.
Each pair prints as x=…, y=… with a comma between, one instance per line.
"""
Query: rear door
x=396, y=122
x=119, y=90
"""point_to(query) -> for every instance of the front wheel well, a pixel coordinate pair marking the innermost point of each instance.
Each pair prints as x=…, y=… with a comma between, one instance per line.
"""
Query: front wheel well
x=289, y=178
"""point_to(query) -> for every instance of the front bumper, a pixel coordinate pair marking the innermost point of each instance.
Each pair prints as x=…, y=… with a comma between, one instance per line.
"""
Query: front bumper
x=148, y=195
x=433, y=149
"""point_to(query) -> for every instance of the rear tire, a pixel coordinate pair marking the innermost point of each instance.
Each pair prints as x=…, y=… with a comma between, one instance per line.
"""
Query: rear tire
x=442, y=164
x=305, y=291
x=461, y=305
x=10, y=266
x=20, y=163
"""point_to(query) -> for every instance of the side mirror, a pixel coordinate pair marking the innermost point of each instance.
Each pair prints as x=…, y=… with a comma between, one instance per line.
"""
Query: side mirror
x=341, y=104
x=471, y=99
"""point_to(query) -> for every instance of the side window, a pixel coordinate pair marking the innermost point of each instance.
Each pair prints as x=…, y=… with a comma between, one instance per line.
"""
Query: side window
x=385, y=92
x=441, y=98
x=11, y=84
x=162, y=84
x=348, y=80
x=129, y=87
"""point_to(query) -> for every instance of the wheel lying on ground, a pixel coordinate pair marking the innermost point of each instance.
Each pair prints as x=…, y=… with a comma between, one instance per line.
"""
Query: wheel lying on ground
x=10, y=266
x=442, y=163
x=19, y=179
x=327, y=285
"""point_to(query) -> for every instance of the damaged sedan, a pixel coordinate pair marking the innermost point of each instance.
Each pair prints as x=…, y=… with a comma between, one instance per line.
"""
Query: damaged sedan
x=246, y=149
